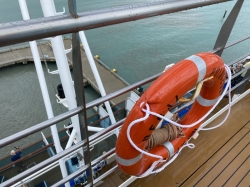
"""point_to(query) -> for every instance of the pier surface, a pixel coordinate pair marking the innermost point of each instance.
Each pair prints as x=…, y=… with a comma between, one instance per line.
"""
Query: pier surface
x=24, y=55
x=110, y=80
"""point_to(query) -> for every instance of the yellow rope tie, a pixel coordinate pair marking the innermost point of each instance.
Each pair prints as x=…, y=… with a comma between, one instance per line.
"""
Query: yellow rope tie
x=197, y=91
x=168, y=132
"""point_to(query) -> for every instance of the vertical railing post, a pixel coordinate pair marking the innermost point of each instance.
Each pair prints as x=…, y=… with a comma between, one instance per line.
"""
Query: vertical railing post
x=79, y=90
x=227, y=28
x=242, y=87
x=97, y=76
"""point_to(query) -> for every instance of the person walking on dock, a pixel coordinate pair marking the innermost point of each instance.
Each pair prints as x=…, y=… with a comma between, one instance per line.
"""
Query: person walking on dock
x=16, y=155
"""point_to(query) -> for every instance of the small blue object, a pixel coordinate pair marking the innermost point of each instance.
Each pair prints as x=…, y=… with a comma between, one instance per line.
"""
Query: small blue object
x=180, y=114
x=164, y=123
x=184, y=111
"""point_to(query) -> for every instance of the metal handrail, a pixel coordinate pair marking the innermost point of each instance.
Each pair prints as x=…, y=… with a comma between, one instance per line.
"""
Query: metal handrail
x=43, y=164
x=239, y=59
x=121, y=91
x=84, y=168
x=25, y=157
x=236, y=42
x=39, y=126
x=105, y=174
x=33, y=29
x=232, y=44
x=54, y=120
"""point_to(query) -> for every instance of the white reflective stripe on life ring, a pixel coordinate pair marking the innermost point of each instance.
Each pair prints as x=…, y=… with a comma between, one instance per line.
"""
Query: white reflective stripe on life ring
x=205, y=102
x=128, y=162
x=169, y=147
x=200, y=64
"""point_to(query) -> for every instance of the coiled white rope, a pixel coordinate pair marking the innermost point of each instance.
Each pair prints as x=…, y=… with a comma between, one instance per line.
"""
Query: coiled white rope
x=190, y=145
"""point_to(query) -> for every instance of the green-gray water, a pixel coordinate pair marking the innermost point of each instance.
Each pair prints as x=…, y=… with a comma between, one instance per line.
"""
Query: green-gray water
x=136, y=49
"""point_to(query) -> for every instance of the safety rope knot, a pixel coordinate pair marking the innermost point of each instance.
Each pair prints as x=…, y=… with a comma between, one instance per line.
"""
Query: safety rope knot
x=168, y=132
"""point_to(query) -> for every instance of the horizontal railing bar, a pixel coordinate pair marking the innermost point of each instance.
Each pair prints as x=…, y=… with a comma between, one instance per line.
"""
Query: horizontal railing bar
x=91, y=142
x=46, y=162
x=148, y=80
x=52, y=121
x=25, y=157
x=83, y=169
x=237, y=85
x=239, y=59
x=38, y=127
x=28, y=30
x=121, y=91
x=62, y=154
x=105, y=174
x=236, y=42
x=233, y=76
x=94, y=138
x=231, y=44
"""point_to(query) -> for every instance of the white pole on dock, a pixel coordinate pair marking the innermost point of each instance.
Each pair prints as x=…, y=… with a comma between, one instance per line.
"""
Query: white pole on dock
x=44, y=89
x=48, y=8
x=96, y=74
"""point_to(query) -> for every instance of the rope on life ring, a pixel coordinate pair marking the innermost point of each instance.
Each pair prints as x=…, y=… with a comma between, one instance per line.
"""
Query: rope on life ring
x=168, y=132
x=131, y=154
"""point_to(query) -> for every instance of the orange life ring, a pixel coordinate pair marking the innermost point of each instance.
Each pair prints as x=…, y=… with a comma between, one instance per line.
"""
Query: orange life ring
x=160, y=96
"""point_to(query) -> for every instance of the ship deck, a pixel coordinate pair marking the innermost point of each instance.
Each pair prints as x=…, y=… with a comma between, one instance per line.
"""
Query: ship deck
x=220, y=157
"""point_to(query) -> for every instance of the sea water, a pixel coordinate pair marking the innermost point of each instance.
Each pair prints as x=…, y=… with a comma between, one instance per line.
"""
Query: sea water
x=135, y=49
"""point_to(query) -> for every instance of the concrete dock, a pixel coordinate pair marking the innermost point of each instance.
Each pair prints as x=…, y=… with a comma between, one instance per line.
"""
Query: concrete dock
x=24, y=55
x=110, y=80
